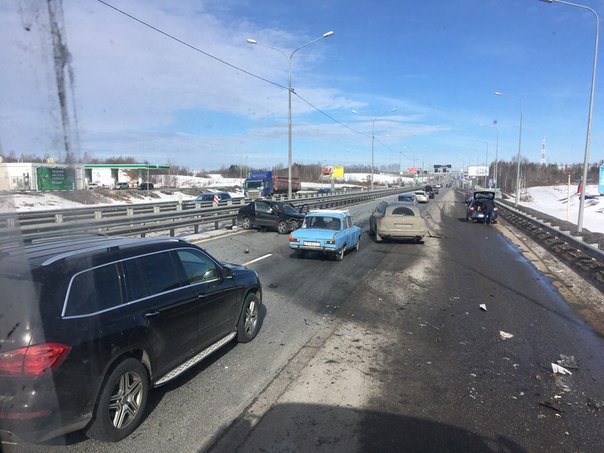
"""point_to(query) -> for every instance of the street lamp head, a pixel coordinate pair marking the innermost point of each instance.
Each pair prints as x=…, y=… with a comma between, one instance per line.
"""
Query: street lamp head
x=498, y=93
x=328, y=34
x=547, y=1
x=354, y=111
x=251, y=41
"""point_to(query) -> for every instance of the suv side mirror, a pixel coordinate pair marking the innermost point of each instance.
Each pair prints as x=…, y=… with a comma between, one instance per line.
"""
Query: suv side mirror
x=227, y=272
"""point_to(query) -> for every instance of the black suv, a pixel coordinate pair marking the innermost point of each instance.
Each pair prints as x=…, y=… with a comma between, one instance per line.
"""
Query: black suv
x=88, y=325
x=278, y=215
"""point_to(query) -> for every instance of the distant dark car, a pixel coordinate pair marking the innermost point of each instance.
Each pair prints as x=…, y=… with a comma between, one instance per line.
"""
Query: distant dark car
x=91, y=324
x=429, y=190
x=481, y=203
x=409, y=197
x=206, y=198
x=277, y=215
x=324, y=190
x=145, y=186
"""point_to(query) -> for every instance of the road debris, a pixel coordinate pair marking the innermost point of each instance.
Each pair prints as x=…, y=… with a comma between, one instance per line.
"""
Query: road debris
x=568, y=362
x=505, y=335
x=483, y=307
x=273, y=285
x=551, y=406
x=560, y=369
x=246, y=251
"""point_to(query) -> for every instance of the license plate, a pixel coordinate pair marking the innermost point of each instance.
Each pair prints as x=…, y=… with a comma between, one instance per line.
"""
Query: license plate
x=312, y=244
x=480, y=215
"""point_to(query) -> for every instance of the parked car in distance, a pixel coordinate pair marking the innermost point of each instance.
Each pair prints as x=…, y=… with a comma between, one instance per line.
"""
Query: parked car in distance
x=208, y=198
x=408, y=197
x=397, y=220
x=429, y=190
x=95, y=322
x=276, y=215
x=330, y=232
x=324, y=190
x=145, y=186
x=476, y=209
x=422, y=197
x=122, y=186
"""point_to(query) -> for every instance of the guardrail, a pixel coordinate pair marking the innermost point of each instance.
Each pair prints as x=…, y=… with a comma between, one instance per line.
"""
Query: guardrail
x=577, y=242
x=146, y=218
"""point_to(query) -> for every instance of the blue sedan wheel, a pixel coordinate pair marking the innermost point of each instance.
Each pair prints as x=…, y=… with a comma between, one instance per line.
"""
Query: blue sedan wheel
x=340, y=254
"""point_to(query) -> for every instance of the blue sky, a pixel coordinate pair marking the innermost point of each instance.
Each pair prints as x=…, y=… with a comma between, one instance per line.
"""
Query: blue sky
x=138, y=93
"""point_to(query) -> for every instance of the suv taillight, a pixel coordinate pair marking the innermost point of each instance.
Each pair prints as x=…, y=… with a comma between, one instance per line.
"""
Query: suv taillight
x=33, y=360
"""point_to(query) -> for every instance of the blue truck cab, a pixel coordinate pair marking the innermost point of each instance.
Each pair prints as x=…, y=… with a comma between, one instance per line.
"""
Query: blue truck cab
x=258, y=184
x=263, y=184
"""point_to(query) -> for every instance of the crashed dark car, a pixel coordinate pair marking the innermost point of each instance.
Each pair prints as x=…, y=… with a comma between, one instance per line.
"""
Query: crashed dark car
x=275, y=215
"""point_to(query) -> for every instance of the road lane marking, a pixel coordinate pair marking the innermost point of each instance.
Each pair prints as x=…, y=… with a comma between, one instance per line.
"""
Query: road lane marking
x=258, y=259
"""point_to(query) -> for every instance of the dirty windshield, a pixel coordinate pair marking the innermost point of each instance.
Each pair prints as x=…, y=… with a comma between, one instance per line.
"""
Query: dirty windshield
x=134, y=318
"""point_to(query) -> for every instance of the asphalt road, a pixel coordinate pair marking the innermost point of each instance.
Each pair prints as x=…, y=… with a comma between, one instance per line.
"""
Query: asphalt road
x=434, y=371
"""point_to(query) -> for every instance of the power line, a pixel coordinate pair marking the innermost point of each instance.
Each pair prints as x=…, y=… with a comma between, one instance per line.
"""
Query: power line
x=251, y=74
x=191, y=46
x=330, y=117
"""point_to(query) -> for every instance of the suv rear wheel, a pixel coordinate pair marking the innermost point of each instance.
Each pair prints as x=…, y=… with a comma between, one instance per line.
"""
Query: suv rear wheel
x=122, y=402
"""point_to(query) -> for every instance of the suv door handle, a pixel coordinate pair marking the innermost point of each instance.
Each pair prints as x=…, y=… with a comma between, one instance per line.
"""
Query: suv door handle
x=201, y=296
x=152, y=314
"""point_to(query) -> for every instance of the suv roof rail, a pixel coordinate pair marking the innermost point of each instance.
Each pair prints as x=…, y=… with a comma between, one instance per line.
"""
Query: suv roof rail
x=110, y=243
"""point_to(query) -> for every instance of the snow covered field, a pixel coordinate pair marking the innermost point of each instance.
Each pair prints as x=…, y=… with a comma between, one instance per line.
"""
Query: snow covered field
x=554, y=200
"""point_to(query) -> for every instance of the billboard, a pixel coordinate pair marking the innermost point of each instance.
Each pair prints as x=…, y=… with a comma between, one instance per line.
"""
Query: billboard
x=55, y=178
x=478, y=170
x=413, y=170
x=333, y=171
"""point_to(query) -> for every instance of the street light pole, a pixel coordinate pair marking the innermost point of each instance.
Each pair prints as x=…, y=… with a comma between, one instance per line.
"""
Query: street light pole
x=499, y=93
x=496, y=152
x=372, y=151
x=486, y=162
x=289, y=110
x=591, y=104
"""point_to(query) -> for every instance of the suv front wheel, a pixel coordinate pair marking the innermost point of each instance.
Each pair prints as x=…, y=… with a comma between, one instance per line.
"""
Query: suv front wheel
x=249, y=321
x=122, y=402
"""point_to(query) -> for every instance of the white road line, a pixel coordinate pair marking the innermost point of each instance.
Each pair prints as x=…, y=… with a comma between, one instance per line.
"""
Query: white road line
x=258, y=259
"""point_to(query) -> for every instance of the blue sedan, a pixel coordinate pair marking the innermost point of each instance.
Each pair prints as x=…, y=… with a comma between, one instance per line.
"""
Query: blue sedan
x=328, y=232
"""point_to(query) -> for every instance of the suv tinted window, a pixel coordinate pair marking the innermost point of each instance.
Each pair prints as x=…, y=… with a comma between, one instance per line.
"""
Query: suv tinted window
x=93, y=290
x=159, y=272
x=136, y=288
x=198, y=267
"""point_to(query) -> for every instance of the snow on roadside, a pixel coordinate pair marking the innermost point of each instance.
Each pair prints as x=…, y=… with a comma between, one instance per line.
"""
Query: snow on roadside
x=553, y=200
